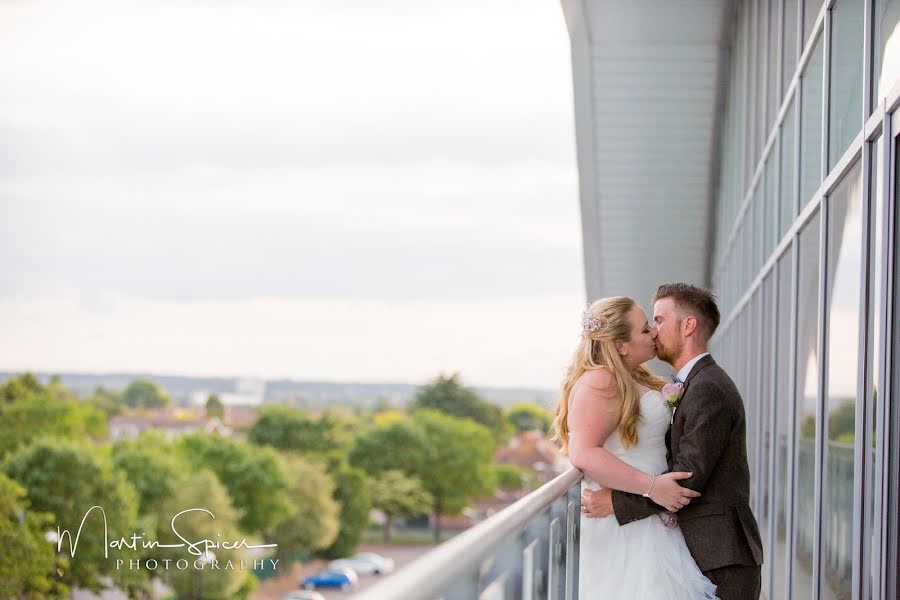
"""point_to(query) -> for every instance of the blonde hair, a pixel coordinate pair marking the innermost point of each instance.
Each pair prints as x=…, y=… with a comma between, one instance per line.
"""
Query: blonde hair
x=606, y=322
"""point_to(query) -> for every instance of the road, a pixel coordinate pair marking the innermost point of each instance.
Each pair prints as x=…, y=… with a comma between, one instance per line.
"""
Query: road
x=273, y=589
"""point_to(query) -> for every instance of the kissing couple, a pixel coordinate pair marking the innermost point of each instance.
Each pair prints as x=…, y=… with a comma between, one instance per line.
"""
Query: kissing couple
x=665, y=498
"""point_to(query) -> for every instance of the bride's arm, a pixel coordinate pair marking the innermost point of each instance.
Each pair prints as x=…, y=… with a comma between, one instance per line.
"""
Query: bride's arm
x=593, y=417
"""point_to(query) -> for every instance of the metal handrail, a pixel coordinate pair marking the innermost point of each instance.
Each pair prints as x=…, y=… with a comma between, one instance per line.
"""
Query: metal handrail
x=427, y=576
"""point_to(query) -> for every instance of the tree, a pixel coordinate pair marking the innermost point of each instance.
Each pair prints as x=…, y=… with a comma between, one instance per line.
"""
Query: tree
x=512, y=477
x=312, y=524
x=109, y=401
x=287, y=428
x=37, y=414
x=202, y=490
x=66, y=479
x=448, y=395
x=527, y=416
x=396, y=445
x=352, y=493
x=396, y=494
x=459, y=462
x=145, y=394
x=214, y=407
x=27, y=567
x=254, y=477
x=152, y=467
x=21, y=386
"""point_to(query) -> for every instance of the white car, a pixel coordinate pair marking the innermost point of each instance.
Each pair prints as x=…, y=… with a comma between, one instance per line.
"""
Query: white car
x=365, y=563
x=303, y=595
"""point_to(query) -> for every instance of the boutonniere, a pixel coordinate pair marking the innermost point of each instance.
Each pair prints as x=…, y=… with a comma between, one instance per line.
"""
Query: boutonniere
x=672, y=393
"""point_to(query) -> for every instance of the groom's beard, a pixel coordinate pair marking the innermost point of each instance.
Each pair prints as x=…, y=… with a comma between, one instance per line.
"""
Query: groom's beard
x=669, y=354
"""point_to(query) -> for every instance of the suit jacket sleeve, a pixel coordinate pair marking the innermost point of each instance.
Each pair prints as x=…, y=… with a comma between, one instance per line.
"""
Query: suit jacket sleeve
x=707, y=419
x=633, y=507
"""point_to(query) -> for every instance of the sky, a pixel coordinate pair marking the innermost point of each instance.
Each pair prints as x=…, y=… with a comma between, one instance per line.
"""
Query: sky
x=346, y=191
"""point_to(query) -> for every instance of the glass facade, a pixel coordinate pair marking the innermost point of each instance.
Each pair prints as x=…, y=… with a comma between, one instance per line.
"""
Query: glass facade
x=806, y=270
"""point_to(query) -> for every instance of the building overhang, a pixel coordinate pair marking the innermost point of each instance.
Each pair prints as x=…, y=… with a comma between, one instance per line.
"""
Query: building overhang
x=649, y=80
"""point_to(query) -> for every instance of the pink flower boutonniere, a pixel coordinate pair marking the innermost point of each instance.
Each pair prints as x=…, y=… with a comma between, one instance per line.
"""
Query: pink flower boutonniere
x=672, y=393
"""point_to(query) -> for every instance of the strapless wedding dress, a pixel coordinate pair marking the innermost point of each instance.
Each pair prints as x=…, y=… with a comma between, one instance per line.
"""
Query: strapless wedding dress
x=644, y=560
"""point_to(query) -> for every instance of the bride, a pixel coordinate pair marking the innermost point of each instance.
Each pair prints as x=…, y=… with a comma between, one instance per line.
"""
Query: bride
x=612, y=421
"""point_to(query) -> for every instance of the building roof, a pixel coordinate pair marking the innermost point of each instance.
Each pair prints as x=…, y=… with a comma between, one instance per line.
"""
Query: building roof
x=649, y=79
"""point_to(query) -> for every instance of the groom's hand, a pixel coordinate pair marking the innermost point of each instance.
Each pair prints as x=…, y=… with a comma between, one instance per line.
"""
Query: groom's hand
x=596, y=504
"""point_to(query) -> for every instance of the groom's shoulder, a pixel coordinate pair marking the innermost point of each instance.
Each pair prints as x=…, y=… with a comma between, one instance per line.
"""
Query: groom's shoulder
x=713, y=375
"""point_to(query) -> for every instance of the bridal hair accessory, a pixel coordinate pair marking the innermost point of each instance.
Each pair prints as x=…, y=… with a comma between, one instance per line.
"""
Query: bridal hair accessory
x=591, y=324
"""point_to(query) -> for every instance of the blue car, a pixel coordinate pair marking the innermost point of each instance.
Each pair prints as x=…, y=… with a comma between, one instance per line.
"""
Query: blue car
x=346, y=579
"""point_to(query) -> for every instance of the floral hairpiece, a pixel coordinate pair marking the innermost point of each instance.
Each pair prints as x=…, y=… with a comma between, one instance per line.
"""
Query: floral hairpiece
x=591, y=324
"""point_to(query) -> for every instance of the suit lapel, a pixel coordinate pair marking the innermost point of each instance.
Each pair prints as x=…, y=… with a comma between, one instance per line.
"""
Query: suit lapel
x=699, y=366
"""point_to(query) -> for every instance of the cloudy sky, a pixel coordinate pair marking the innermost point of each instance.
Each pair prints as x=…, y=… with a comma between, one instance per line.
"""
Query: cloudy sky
x=351, y=191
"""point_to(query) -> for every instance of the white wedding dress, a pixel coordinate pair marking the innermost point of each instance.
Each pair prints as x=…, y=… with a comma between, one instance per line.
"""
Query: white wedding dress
x=644, y=560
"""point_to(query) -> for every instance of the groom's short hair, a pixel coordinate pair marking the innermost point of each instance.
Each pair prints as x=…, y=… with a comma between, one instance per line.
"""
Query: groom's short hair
x=696, y=301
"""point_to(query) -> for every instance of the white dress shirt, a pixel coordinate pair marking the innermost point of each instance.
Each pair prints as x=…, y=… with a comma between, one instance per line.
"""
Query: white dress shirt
x=686, y=369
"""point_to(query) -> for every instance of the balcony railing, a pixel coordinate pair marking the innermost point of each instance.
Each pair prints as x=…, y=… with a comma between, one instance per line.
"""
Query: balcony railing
x=527, y=551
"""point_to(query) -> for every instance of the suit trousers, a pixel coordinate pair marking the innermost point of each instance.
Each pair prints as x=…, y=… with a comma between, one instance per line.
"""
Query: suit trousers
x=736, y=582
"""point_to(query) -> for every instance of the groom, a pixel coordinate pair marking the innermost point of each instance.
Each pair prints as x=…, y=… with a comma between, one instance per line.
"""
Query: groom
x=708, y=439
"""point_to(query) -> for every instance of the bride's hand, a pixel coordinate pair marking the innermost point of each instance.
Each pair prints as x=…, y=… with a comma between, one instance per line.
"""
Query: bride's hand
x=668, y=493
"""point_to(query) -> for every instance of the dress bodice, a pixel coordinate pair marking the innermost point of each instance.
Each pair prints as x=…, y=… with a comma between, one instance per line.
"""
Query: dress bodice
x=649, y=454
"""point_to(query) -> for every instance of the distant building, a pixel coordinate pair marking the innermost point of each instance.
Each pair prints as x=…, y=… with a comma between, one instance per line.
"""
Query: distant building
x=247, y=392
x=532, y=450
x=171, y=423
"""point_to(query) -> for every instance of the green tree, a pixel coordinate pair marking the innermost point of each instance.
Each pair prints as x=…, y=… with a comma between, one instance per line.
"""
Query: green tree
x=145, y=394
x=513, y=477
x=66, y=479
x=41, y=413
x=27, y=565
x=254, y=477
x=352, y=494
x=527, y=416
x=287, y=428
x=459, y=462
x=214, y=407
x=109, y=401
x=396, y=445
x=21, y=386
x=312, y=523
x=399, y=495
x=152, y=467
x=449, y=396
x=203, y=490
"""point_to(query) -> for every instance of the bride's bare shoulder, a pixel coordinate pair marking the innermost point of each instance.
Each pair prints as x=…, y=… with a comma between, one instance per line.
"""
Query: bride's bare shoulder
x=600, y=379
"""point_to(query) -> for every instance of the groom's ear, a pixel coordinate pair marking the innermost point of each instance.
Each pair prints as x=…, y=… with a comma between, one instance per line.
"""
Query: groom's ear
x=688, y=326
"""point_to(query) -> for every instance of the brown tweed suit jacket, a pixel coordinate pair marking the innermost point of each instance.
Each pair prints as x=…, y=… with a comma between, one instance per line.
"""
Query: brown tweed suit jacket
x=708, y=438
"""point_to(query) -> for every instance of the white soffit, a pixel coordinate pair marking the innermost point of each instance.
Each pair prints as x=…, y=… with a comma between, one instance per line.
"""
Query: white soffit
x=647, y=76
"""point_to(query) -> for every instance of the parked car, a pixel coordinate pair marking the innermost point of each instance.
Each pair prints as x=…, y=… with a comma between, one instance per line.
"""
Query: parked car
x=344, y=578
x=365, y=563
x=303, y=595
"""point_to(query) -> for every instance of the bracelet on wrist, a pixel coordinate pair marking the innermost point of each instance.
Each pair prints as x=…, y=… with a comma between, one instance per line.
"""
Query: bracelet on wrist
x=652, y=481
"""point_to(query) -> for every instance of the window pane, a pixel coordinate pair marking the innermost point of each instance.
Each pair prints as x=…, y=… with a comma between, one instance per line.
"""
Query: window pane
x=787, y=200
x=811, y=127
x=790, y=41
x=766, y=320
x=887, y=46
x=842, y=299
x=770, y=202
x=783, y=403
x=805, y=405
x=773, y=72
x=845, y=102
x=876, y=308
x=811, y=10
